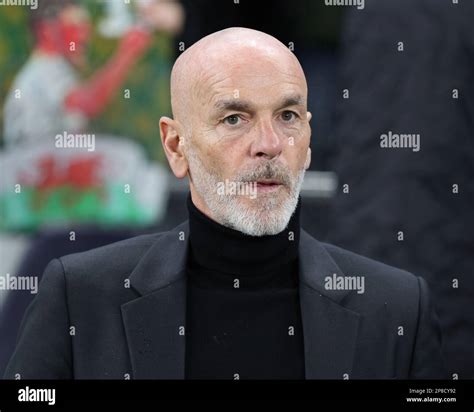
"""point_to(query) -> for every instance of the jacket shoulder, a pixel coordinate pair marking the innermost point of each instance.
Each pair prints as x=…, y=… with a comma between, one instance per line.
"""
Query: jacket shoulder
x=107, y=263
x=348, y=261
x=383, y=284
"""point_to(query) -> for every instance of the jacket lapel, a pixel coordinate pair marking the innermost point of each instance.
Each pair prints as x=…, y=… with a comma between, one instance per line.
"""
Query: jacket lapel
x=155, y=322
x=329, y=329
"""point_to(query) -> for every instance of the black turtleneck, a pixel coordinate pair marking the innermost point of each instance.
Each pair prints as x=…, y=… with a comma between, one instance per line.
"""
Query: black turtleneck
x=243, y=314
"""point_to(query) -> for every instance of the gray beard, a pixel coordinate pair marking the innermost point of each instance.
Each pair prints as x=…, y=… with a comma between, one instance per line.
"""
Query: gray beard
x=267, y=216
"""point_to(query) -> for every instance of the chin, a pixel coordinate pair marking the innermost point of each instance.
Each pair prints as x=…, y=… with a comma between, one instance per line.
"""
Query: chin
x=269, y=216
x=265, y=202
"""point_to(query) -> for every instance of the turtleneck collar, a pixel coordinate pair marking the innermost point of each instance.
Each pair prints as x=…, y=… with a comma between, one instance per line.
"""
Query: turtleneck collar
x=217, y=248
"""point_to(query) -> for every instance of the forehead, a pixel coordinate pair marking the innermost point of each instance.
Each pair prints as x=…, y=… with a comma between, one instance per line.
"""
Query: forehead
x=256, y=78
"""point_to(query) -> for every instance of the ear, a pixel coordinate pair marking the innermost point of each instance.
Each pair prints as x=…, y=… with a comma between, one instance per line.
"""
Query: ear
x=172, y=140
x=308, y=159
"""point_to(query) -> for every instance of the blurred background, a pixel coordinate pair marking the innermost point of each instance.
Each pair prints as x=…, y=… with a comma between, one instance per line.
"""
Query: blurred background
x=83, y=84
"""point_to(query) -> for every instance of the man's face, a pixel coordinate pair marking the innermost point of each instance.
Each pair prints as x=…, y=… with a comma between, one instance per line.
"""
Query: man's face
x=74, y=28
x=249, y=128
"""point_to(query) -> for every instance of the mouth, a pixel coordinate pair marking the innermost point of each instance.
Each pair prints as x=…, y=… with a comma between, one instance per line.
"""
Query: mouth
x=268, y=185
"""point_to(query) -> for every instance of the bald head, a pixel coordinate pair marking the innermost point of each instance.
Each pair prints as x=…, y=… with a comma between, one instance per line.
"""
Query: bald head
x=196, y=68
x=239, y=100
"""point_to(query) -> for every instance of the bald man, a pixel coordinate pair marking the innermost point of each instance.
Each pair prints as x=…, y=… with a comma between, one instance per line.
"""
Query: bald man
x=239, y=291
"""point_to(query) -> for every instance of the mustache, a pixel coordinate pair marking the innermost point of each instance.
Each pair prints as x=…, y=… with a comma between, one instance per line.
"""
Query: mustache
x=270, y=171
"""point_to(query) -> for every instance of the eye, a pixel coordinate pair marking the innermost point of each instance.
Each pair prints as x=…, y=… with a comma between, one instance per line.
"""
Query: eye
x=232, y=120
x=288, y=116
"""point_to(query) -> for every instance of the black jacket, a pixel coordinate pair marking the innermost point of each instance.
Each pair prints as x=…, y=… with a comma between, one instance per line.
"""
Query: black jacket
x=119, y=311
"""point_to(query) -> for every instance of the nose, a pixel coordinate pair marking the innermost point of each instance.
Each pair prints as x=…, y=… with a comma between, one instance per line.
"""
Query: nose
x=267, y=143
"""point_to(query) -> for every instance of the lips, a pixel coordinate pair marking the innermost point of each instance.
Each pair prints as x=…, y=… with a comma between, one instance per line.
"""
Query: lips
x=268, y=182
x=268, y=186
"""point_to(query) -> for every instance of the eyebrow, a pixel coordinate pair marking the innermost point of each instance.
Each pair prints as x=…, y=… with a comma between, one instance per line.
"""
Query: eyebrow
x=233, y=104
x=245, y=106
x=293, y=100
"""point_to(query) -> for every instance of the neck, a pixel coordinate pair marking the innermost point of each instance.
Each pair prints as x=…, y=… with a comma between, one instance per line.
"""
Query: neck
x=219, y=248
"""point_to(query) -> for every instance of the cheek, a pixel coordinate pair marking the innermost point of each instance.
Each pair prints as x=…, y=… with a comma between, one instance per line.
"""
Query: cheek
x=210, y=156
x=232, y=134
x=223, y=156
x=296, y=154
x=218, y=164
